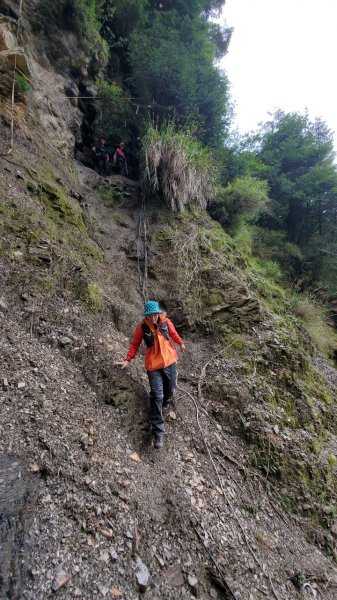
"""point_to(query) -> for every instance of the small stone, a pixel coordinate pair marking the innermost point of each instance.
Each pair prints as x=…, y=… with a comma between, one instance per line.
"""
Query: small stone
x=173, y=577
x=90, y=541
x=134, y=456
x=61, y=579
x=77, y=593
x=193, y=583
x=104, y=590
x=129, y=535
x=172, y=415
x=3, y=305
x=116, y=593
x=159, y=559
x=5, y=383
x=276, y=429
x=213, y=593
x=107, y=533
x=328, y=509
x=21, y=385
x=65, y=341
x=334, y=527
x=87, y=481
x=167, y=554
x=105, y=556
x=142, y=575
x=113, y=554
x=34, y=468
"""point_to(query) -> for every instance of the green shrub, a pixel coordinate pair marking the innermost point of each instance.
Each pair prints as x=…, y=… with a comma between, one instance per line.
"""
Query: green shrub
x=242, y=201
x=94, y=299
x=22, y=84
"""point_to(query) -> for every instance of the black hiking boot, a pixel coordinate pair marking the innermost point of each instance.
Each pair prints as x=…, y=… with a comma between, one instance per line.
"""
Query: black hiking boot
x=158, y=442
x=167, y=404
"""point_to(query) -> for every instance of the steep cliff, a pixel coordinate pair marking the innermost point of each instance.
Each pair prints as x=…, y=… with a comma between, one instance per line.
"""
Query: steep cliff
x=241, y=502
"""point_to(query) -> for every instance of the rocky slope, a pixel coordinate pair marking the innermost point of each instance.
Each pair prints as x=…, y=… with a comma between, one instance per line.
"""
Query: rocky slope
x=241, y=502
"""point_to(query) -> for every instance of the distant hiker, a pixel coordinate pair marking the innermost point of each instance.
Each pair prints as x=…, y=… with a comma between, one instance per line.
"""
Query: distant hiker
x=160, y=362
x=120, y=160
x=102, y=156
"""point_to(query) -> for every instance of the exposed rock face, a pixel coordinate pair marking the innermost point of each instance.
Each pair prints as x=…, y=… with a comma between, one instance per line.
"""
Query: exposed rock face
x=9, y=48
x=47, y=105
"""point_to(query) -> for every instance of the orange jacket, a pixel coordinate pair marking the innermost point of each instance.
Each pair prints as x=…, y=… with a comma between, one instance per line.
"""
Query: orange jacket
x=163, y=353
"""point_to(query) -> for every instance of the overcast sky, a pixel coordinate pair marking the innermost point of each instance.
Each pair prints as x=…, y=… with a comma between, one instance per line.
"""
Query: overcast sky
x=282, y=54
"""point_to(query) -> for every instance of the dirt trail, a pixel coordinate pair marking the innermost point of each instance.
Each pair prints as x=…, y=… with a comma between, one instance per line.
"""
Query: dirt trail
x=109, y=507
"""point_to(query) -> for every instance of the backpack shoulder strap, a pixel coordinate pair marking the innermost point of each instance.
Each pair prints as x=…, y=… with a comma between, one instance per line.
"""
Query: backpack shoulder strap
x=147, y=334
x=163, y=328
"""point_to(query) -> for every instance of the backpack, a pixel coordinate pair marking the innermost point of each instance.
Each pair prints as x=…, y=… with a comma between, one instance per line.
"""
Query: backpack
x=148, y=336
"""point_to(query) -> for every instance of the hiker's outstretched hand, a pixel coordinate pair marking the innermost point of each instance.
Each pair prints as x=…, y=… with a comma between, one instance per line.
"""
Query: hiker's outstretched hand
x=183, y=347
x=121, y=363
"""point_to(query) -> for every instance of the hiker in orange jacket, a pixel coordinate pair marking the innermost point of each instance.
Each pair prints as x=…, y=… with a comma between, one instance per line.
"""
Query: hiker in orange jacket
x=161, y=357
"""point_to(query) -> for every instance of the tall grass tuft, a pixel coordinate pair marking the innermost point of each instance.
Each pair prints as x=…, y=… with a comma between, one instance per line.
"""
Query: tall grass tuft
x=315, y=321
x=177, y=167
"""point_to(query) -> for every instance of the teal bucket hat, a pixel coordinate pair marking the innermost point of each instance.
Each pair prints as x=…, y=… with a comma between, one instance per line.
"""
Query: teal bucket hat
x=151, y=308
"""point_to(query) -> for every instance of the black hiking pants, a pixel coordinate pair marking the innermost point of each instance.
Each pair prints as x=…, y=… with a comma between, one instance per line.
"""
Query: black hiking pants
x=162, y=384
x=102, y=165
x=122, y=168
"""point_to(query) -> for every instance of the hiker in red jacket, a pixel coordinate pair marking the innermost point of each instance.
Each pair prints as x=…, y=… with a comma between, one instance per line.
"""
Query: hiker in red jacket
x=161, y=357
x=120, y=160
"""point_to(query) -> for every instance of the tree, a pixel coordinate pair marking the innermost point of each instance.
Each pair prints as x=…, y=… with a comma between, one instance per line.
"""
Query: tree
x=299, y=166
x=172, y=69
x=243, y=200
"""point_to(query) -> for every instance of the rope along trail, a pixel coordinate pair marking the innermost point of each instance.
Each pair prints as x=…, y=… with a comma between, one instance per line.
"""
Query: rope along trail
x=142, y=240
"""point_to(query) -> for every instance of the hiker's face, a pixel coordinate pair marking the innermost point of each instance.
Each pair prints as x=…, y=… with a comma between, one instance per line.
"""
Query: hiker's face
x=153, y=318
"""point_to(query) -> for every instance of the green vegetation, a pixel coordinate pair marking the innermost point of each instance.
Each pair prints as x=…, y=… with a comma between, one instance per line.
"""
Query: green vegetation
x=111, y=195
x=172, y=69
x=315, y=321
x=84, y=17
x=115, y=113
x=240, y=202
x=22, y=84
x=295, y=157
x=93, y=297
x=276, y=191
x=162, y=56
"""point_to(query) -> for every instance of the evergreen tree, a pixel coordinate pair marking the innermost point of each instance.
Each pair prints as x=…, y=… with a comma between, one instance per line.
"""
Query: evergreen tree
x=298, y=160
